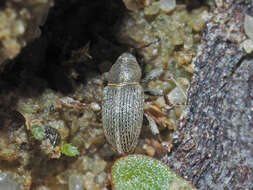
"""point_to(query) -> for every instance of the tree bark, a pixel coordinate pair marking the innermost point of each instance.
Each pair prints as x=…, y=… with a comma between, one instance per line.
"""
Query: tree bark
x=214, y=145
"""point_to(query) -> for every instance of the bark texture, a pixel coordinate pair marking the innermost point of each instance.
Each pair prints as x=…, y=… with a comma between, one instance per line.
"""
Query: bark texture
x=214, y=146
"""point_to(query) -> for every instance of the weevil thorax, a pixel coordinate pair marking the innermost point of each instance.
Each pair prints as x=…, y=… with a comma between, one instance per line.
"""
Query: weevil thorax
x=125, y=70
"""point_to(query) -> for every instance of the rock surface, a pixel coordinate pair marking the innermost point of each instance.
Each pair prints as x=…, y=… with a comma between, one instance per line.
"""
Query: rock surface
x=214, y=146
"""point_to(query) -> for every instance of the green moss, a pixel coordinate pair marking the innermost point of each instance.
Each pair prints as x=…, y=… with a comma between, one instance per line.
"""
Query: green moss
x=69, y=150
x=138, y=172
x=38, y=132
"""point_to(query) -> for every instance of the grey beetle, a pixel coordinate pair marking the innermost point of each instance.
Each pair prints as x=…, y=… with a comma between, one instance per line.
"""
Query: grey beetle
x=122, y=106
x=123, y=103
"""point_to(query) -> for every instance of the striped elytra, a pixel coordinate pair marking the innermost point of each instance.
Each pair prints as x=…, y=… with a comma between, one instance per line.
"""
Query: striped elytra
x=123, y=101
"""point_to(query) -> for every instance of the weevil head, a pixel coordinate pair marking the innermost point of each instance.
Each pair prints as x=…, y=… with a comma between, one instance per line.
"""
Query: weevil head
x=125, y=70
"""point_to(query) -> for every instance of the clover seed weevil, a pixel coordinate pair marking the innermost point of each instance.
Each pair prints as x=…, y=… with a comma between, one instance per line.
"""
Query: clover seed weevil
x=123, y=102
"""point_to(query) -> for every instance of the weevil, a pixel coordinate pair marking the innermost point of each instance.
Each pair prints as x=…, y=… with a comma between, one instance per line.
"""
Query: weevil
x=123, y=102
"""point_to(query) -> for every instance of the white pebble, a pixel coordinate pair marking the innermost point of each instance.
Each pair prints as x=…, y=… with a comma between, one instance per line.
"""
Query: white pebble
x=176, y=96
x=248, y=26
x=95, y=106
x=248, y=45
x=167, y=5
x=18, y=28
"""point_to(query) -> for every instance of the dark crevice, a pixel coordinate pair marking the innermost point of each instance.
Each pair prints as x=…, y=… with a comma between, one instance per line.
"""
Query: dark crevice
x=70, y=26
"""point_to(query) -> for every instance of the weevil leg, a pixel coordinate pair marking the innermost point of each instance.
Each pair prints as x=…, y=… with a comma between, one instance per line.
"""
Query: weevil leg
x=157, y=40
x=149, y=77
x=155, y=73
x=153, y=91
x=153, y=127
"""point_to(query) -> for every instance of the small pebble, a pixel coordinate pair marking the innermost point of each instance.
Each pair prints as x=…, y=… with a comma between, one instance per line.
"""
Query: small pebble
x=18, y=28
x=153, y=9
x=76, y=182
x=95, y=106
x=167, y=5
x=101, y=179
x=149, y=150
x=184, y=81
x=86, y=163
x=43, y=188
x=248, y=45
x=99, y=166
x=161, y=101
x=176, y=96
x=248, y=26
x=89, y=182
x=131, y=5
x=7, y=183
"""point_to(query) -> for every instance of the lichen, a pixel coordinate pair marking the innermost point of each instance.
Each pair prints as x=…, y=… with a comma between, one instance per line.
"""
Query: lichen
x=137, y=172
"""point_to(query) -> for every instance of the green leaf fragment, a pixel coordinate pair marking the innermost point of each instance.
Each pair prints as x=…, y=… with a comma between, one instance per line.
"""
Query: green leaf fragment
x=147, y=68
x=38, y=132
x=69, y=150
x=138, y=172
